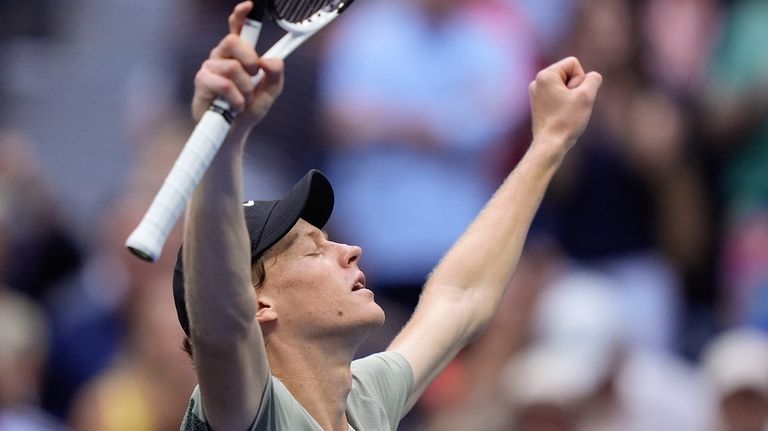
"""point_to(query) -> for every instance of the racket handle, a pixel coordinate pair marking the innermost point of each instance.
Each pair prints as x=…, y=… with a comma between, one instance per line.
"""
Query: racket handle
x=148, y=238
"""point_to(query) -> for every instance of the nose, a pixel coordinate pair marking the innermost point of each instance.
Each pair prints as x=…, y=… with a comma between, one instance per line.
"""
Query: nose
x=350, y=254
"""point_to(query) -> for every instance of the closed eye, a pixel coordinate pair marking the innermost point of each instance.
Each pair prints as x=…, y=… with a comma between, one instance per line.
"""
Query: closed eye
x=316, y=251
x=316, y=241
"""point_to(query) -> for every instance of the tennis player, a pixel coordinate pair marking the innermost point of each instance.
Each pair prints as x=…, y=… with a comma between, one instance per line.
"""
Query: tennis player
x=274, y=310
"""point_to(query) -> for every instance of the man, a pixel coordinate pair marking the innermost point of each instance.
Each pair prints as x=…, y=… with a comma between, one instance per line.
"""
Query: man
x=273, y=330
x=733, y=363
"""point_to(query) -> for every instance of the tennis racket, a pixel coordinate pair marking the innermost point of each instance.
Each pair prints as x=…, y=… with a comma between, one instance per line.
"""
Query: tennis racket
x=301, y=19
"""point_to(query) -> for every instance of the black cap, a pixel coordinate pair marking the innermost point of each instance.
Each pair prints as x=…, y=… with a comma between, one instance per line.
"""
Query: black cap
x=310, y=199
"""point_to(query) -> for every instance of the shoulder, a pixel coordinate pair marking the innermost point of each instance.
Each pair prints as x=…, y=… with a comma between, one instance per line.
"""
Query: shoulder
x=381, y=384
x=383, y=362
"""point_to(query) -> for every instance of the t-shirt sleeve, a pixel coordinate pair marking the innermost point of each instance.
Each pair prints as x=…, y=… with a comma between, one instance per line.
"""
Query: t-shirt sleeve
x=194, y=418
x=266, y=418
x=386, y=378
x=278, y=411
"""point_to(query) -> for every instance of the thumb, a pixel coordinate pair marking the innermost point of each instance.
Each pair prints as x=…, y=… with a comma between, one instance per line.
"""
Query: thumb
x=592, y=82
x=576, y=81
x=273, y=69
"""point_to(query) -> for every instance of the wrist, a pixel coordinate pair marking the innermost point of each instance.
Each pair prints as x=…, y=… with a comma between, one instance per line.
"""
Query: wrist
x=233, y=147
x=241, y=128
x=549, y=150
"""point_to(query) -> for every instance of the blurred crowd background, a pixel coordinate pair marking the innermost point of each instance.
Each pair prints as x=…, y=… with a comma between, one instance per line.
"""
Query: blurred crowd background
x=640, y=303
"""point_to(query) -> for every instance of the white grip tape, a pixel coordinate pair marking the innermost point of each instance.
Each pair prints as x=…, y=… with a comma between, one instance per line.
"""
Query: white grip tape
x=148, y=238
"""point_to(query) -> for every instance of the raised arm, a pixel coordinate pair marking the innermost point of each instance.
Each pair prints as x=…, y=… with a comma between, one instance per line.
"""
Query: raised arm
x=221, y=303
x=463, y=292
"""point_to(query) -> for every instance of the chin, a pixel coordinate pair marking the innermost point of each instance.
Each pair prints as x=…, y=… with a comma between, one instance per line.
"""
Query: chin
x=380, y=317
x=373, y=319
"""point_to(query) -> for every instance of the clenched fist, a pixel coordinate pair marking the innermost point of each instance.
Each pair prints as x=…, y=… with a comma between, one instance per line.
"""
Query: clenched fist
x=227, y=74
x=562, y=97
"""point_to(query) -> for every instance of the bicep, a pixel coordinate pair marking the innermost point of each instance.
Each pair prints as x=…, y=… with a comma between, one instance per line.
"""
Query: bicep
x=432, y=338
x=232, y=377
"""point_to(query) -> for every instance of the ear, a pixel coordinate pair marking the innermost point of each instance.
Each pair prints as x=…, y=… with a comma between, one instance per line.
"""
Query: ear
x=267, y=311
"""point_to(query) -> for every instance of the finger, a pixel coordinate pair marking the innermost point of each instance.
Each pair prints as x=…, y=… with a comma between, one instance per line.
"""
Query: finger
x=209, y=83
x=238, y=15
x=567, y=68
x=272, y=66
x=233, y=46
x=576, y=81
x=232, y=70
x=592, y=83
x=273, y=73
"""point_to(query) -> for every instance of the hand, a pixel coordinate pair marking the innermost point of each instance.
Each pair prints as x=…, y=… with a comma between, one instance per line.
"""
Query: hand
x=562, y=96
x=227, y=74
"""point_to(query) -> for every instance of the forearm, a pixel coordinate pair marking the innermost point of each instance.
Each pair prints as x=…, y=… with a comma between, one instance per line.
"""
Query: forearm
x=481, y=262
x=228, y=345
x=216, y=249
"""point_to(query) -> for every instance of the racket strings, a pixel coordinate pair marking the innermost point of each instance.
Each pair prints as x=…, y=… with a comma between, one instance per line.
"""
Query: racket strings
x=300, y=10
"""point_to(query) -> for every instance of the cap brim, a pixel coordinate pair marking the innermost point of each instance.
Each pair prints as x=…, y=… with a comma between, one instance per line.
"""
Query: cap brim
x=311, y=199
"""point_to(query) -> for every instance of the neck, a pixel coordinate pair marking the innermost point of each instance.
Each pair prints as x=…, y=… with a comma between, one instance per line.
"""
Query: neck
x=318, y=377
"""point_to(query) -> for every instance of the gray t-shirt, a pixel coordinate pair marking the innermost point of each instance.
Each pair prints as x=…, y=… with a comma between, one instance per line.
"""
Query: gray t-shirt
x=380, y=386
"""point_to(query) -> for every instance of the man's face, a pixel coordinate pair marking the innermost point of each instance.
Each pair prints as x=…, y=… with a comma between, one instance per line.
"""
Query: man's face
x=317, y=288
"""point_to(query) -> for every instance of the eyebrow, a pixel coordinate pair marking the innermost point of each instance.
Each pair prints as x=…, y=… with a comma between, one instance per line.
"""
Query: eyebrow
x=292, y=237
x=289, y=239
x=314, y=233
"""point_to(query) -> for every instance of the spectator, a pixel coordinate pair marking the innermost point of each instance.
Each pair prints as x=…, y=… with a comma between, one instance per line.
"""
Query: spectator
x=623, y=386
x=630, y=202
x=44, y=250
x=23, y=353
x=679, y=36
x=736, y=104
x=735, y=364
x=93, y=303
x=580, y=372
x=147, y=386
x=430, y=127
